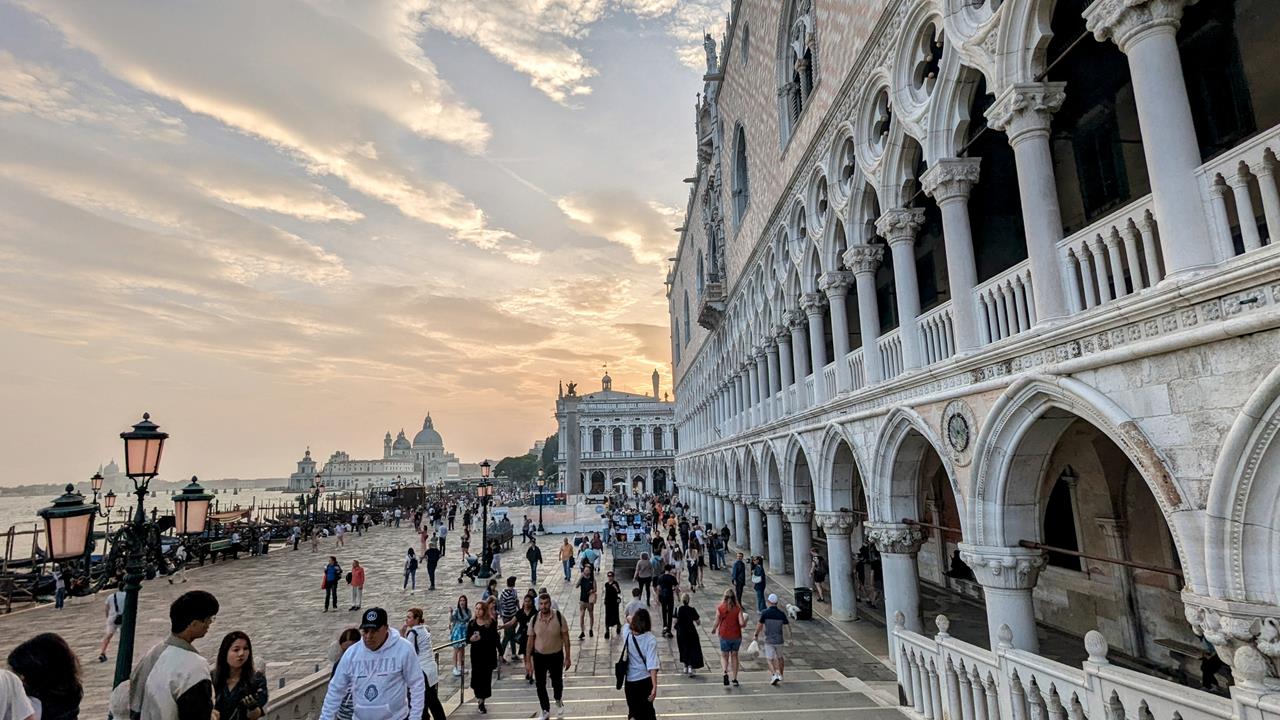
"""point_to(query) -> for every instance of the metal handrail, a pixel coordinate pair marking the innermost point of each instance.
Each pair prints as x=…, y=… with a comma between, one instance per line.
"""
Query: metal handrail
x=462, y=678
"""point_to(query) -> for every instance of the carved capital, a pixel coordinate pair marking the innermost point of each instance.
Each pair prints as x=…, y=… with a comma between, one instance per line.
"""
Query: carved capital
x=770, y=506
x=863, y=258
x=835, y=284
x=811, y=303
x=781, y=333
x=1005, y=568
x=796, y=319
x=836, y=523
x=800, y=513
x=900, y=224
x=896, y=538
x=748, y=499
x=951, y=179
x=1242, y=633
x=1026, y=109
x=1125, y=21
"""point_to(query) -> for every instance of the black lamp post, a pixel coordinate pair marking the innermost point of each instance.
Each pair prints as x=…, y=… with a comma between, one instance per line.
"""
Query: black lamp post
x=484, y=491
x=542, y=497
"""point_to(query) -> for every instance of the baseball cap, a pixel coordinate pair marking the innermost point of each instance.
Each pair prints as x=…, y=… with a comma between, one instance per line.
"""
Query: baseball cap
x=773, y=598
x=373, y=619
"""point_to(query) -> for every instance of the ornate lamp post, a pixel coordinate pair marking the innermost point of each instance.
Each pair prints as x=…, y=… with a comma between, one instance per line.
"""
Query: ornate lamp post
x=542, y=497
x=484, y=491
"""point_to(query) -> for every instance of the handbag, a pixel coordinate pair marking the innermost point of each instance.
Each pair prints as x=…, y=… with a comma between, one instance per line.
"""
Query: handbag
x=620, y=667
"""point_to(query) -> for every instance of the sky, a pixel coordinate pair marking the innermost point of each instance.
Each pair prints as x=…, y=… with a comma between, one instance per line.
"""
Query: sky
x=304, y=223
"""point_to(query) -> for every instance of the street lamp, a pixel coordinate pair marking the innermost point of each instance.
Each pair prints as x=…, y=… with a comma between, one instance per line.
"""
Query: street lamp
x=484, y=491
x=68, y=525
x=542, y=498
x=191, y=509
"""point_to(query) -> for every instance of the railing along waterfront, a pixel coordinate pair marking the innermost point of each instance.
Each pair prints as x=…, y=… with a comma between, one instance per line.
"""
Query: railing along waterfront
x=1006, y=304
x=1115, y=256
x=937, y=334
x=944, y=678
x=1247, y=173
x=891, y=354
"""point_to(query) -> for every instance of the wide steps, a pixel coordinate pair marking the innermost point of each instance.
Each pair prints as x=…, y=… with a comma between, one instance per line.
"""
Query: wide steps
x=804, y=694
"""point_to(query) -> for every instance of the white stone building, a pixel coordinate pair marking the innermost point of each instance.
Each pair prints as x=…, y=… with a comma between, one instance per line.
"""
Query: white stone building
x=610, y=438
x=983, y=276
x=422, y=461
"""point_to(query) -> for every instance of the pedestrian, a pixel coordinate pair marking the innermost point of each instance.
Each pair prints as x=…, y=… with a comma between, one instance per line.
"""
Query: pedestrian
x=433, y=555
x=730, y=618
x=534, y=556
x=508, y=605
x=173, y=675
x=644, y=576
x=347, y=638
x=459, y=617
x=424, y=534
x=738, y=576
x=357, y=585
x=757, y=581
x=490, y=592
x=441, y=533
x=818, y=572
x=668, y=587
x=381, y=674
x=641, y=649
x=548, y=651
x=398, y=513
x=339, y=532
x=410, y=571
x=14, y=703
x=332, y=572
x=612, y=601
x=239, y=689
x=586, y=600
x=50, y=675
x=772, y=620
x=453, y=512
x=687, y=641
x=295, y=536
x=566, y=560
x=466, y=541
x=482, y=635
x=60, y=587
x=635, y=604
x=694, y=559
x=115, y=617
x=415, y=632
x=528, y=608
x=179, y=563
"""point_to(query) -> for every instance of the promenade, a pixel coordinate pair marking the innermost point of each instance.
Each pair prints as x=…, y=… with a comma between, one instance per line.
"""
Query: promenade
x=277, y=600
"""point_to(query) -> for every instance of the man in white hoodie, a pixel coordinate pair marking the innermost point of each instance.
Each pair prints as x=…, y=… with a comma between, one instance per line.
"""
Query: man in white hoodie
x=381, y=672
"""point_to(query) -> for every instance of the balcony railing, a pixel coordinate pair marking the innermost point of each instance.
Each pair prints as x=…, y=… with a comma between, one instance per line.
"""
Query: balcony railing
x=1247, y=174
x=857, y=369
x=810, y=399
x=937, y=334
x=1006, y=304
x=1113, y=257
x=891, y=354
x=947, y=678
x=625, y=454
x=829, y=384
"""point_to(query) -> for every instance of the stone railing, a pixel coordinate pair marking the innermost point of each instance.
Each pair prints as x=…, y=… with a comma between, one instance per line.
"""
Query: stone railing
x=829, y=384
x=810, y=398
x=937, y=334
x=1113, y=257
x=1246, y=174
x=946, y=679
x=1006, y=305
x=857, y=369
x=891, y=354
x=300, y=700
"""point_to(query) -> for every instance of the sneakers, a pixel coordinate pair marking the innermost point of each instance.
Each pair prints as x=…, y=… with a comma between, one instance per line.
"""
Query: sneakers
x=735, y=683
x=560, y=709
x=591, y=632
x=102, y=658
x=457, y=671
x=582, y=636
x=545, y=715
x=726, y=679
x=776, y=679
x=606, y=634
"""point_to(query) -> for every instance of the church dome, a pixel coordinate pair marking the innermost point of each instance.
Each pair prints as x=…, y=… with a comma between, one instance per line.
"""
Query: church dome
x=427, y=436
x=401, y=443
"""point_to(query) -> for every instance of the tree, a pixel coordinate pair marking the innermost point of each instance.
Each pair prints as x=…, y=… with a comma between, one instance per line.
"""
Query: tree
x=550, y=449
x=520, y=470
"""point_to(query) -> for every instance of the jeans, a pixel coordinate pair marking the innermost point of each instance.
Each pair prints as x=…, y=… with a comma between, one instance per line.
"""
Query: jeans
x=331, y=593
x=411, y=576
x=668, y=612
x=509, y=638
x=737, y=590
x=645, y=584
x=543, y=664
x=59, y=597
x=431, y=575
x=568, y=570
x=638, y=705
x=357, y=595
x=760, y=599
x=441, y=544
x=533, y=572
x=450, y=522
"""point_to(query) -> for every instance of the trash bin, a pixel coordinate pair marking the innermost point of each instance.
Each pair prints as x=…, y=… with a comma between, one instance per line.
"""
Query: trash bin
x=804, y=601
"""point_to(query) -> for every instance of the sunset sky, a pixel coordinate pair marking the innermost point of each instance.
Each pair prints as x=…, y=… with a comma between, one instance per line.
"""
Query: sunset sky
x=291, y=223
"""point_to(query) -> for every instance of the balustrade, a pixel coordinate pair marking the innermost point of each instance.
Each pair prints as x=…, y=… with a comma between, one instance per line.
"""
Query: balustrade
x=1006, y=304
x=1251, y=217
x=857, y=369
x=1113, y=257
x=891, y=354
x=829, y=380
x=937, y=334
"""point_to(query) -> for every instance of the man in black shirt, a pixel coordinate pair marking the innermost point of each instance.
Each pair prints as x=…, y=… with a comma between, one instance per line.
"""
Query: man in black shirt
x=668, y=586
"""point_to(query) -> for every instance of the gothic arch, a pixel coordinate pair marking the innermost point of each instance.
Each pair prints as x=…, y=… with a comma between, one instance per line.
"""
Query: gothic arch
x=895, y=489
x=771, y=487
x=797, y=472
x=840, y=473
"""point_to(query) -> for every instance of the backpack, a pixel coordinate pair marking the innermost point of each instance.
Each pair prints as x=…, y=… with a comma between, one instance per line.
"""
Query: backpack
x=413, y=564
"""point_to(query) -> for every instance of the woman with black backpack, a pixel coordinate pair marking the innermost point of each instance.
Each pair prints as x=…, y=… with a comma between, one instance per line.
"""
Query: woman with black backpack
x=410, y=571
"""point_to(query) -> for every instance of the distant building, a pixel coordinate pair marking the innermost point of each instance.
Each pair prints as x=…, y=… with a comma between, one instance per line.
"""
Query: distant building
x=422, y=461
x=536, y=450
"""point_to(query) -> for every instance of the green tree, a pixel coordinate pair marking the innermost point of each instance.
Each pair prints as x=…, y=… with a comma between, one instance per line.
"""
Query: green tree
x=520, y=470
x=550, y=449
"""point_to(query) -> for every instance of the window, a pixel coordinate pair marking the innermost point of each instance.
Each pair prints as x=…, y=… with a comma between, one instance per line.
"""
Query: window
x=687, y=327
x=741, y=179
x=796, y=64
x=702, y=275
x=1060, y=527
x=746, y=44
x=597, y=440
x=657, y=438
x=617, y=439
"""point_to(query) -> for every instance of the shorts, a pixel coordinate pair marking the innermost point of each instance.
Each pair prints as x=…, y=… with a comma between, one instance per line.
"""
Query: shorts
x=819, y=576
x=111, y=628
x=730, y=645
x=586, y=604
x=771, y=652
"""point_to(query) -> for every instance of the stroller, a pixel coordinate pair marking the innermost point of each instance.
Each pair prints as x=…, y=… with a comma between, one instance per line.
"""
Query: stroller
x=472, y=570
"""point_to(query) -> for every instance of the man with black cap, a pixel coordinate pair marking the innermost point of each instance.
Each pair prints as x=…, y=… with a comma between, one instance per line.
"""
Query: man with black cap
x=381, y=672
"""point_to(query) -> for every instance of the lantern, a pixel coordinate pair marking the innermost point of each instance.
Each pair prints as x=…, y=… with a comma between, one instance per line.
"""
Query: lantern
x=191, y=509
x=68, y=524
x=142, y=448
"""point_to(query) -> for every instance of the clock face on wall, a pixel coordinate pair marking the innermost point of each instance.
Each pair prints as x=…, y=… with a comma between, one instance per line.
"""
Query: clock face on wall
x=958, y=432
x=958, y=426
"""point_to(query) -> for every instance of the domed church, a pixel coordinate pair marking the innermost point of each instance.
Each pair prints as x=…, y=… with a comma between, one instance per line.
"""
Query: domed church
x=424, y=461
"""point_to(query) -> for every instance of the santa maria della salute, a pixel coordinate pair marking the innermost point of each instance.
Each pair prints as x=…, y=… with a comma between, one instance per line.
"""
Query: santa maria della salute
x=424, y=460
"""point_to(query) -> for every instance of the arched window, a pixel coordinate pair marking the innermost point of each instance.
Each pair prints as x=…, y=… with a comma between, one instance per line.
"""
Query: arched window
x=797, y=66
x=741, y=184
x=597, y=440
x=657, y=438
x=686, y=318
x=637, y=438
x=617, y=439
x=702, y=275
x=745, y=52
x=675, y=338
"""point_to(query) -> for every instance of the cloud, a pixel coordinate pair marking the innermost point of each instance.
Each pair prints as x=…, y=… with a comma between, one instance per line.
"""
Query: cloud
x=654, y=341
x=619, y=216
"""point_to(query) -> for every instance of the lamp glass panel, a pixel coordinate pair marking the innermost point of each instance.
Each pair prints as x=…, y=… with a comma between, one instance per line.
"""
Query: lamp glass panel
x=68, y=535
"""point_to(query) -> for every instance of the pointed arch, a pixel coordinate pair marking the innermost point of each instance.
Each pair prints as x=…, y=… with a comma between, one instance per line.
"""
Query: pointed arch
x=900, y=447
x=797, y=472
x=841, y=483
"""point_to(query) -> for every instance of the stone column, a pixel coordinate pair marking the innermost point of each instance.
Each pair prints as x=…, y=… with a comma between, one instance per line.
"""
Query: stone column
x=762, y=382
x=1024, y=112
x=775, y=382
x=726, y=515
x=899, y=544
x=799, y=349
x=753, y=392
x=949, y=182
x=717, y=510
x=1116, y=533
x=772, y=509
x=838, y=526
x=1146, y=32
x=864, y=260
x=899, y=228
x=786, y=371
x=801, y=519
x=1008, y=577
x=755, y=525
x=740, y=528
x=836, y=286
x=811, y=303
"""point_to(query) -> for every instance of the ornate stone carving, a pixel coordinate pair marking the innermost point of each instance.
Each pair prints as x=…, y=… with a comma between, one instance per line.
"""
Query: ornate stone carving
x=796, y=319
x=747, y=499
x=1231, y=626
x=798, y=513
x=1026, y=108
x=863, y=258
x=836, y=523
x=770, y=506
x=1006, y=568
x=896, y=538
x=900, y=224
x=835, y=284
x=811, y=303
x=951, y=179
x=1124, y=20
